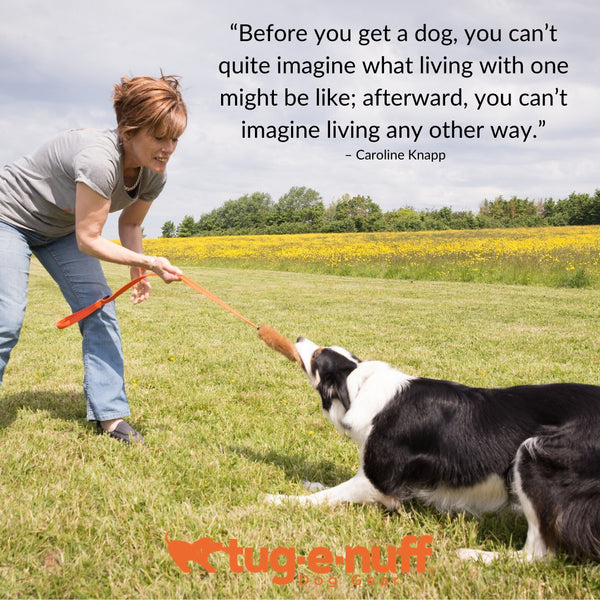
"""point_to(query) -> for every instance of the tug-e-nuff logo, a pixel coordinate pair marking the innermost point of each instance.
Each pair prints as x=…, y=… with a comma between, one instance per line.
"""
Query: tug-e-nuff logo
x=382, y=564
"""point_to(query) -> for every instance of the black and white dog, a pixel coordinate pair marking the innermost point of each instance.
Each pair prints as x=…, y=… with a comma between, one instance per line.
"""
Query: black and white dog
x=462, y=448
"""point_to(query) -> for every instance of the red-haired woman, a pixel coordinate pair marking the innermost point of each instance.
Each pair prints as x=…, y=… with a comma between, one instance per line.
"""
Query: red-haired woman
x=54, y=203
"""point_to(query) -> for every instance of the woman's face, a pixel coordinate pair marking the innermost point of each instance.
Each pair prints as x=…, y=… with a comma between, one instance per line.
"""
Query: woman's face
x=146, y=150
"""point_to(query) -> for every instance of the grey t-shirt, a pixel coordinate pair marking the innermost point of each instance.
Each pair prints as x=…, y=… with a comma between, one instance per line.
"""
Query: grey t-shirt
x=37, y=192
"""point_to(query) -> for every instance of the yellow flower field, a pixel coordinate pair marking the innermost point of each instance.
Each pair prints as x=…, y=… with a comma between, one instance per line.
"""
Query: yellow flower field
x=567, y=256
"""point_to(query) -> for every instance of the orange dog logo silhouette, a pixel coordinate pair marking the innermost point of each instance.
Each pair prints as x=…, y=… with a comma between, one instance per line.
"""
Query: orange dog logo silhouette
x=288, y=565
x=198, y=552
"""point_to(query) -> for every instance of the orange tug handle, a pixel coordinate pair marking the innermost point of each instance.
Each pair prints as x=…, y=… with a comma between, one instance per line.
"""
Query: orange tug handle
x=85, y=312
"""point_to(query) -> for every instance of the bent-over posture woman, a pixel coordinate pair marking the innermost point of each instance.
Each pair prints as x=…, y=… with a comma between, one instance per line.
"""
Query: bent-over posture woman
x=54, y=203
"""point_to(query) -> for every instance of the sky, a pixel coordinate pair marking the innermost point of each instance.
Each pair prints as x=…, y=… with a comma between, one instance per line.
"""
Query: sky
x=60, y=59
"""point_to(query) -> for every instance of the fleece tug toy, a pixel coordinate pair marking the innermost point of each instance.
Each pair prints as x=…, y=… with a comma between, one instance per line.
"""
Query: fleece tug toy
x=279, y=343
x=268, y=335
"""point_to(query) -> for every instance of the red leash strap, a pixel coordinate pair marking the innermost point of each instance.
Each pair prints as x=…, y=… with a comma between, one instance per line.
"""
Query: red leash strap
x=85, y=312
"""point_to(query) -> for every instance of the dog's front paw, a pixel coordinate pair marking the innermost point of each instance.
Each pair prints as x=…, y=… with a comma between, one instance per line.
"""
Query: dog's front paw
x=278, y=499
x=313, y=486
x=275, y=499
x=479, y=555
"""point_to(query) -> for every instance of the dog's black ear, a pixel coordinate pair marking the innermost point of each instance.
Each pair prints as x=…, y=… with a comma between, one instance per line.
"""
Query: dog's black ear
x=333, y=388
x=333, y=370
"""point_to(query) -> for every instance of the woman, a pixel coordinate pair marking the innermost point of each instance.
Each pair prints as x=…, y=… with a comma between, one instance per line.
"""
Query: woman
x=54, y=203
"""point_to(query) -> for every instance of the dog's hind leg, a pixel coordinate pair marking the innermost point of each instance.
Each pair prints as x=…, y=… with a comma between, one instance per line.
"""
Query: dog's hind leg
x=558, y=476
x=535, y=547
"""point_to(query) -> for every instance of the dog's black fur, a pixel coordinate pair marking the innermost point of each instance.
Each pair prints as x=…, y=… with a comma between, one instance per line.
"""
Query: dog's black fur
x=466, y=448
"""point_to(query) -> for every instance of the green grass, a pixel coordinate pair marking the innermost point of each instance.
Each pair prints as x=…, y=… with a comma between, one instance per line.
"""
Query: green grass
x=227, y=420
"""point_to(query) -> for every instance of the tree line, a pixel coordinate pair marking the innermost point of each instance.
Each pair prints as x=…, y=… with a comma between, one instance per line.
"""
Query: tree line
x=301, y=210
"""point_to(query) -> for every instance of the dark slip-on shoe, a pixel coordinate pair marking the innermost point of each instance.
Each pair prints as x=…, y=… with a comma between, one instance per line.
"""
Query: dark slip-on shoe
x=123, y=432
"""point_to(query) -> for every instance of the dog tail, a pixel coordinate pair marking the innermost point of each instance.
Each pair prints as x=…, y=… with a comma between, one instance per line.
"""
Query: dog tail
x=167, y=538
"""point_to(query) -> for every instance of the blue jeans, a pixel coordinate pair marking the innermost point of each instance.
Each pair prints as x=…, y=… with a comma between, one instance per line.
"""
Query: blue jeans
x=82, y=282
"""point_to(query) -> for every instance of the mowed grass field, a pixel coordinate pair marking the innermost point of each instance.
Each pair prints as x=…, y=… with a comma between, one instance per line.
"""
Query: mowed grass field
x=227, y=420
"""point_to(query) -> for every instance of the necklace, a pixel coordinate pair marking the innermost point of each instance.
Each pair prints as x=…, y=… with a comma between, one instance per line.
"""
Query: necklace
x=137, y=182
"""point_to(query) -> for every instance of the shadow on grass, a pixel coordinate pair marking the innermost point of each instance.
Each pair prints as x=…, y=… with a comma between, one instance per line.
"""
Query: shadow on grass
x=296, y=467
x=59, y=405
x=505, y=529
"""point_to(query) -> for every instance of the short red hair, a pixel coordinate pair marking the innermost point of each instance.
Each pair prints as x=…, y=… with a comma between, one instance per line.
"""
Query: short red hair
x=150, y=102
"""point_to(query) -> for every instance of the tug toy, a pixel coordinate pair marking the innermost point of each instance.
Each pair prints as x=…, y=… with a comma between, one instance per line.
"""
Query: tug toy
x=271, y=337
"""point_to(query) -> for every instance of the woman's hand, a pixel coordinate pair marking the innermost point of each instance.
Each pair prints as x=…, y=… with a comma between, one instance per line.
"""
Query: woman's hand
x=90, y=216
x=141, y=291
x=163, y=268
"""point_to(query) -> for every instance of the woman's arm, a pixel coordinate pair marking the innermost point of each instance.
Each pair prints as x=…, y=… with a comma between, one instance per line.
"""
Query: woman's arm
x=130, y=230
x=130, y=234
x=91, y=212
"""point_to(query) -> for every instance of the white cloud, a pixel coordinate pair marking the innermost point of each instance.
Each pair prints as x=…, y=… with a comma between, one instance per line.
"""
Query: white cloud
x=60, y=60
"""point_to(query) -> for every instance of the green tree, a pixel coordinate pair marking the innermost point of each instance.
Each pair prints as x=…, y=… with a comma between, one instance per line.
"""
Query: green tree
x=358, y=213
x=249, y=213
x=168, y=229
x=516, y=212
x=302, y=207
x=187, y=227
x=403, y=219
x=580, y=209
